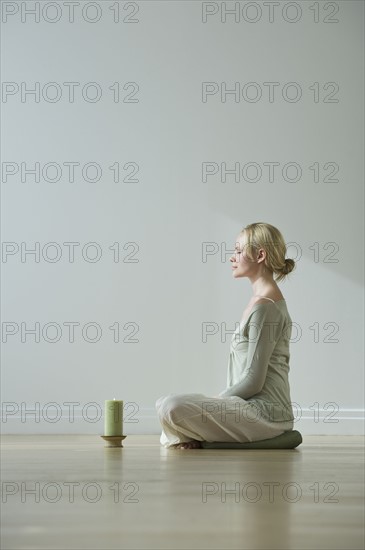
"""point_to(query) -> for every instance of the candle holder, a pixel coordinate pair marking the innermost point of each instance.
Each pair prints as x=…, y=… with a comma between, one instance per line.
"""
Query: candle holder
x=113, y=440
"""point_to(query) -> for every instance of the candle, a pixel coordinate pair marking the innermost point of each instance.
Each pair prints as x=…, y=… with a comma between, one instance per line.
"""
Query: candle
x=113, y=417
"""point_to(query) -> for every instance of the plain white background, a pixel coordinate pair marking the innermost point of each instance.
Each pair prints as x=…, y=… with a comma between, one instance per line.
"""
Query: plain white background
x=162, y=290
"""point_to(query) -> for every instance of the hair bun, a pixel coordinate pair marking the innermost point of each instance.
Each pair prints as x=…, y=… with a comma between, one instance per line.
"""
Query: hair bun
x=289, y=266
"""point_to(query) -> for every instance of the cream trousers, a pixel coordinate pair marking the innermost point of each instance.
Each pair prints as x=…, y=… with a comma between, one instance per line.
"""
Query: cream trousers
x=189, y=416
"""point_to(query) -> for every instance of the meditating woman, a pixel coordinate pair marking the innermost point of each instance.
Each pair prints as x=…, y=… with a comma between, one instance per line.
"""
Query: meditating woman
x=256, y=403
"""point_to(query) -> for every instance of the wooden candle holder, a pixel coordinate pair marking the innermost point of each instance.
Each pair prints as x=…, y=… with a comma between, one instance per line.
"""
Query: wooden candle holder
x=113, y=440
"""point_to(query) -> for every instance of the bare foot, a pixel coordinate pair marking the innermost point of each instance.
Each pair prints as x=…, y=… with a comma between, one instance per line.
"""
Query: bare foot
x=194, y=444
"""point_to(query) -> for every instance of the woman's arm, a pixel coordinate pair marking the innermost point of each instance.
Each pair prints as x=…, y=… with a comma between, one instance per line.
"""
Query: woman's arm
x=265, y=327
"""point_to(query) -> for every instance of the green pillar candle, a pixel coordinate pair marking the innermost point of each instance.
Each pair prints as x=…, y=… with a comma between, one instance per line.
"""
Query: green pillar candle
x=113, y=418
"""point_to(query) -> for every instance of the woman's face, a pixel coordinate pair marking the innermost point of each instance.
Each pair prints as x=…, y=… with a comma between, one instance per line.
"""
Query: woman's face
x=242, y=266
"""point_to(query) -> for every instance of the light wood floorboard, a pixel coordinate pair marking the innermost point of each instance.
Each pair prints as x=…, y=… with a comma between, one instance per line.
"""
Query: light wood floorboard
x=144, y=496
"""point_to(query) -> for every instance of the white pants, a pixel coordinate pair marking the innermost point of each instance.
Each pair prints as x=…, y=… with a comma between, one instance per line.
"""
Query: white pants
x=196, y=416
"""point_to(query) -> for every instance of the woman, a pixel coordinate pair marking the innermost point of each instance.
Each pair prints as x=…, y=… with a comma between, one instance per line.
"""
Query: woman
x=256, y=403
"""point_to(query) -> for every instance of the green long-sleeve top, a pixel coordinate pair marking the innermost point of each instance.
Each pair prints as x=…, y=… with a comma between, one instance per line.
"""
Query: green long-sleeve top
x=258, y=364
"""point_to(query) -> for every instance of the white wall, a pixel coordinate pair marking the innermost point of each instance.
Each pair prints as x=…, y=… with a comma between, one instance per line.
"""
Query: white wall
x=161, y=291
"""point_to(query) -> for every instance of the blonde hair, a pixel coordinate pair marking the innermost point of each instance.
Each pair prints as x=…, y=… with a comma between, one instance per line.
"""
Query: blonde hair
x=266, y=236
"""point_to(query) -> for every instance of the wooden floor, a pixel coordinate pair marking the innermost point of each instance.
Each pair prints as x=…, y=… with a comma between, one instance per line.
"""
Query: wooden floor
x=70, y=492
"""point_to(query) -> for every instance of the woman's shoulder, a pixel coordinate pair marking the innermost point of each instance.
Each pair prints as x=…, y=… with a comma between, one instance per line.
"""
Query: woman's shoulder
x=267, y=299
x=268, y=308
